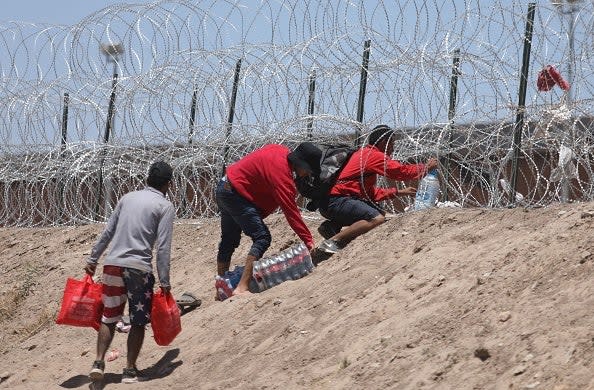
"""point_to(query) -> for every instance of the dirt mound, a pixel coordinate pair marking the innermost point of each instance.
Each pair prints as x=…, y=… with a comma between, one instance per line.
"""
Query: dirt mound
x=441, y=299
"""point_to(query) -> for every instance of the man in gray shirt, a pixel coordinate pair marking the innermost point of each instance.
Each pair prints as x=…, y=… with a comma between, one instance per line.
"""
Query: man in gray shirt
x=140, y=221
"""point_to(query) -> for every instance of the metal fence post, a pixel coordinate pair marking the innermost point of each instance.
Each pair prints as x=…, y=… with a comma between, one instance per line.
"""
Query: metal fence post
x=362, y=89
x=192, y=116
x=106, y=136
x=231, y=114
x=310, y=102
x=451, y=114
x=521, y=110
x=64, y=121
x=62, y=150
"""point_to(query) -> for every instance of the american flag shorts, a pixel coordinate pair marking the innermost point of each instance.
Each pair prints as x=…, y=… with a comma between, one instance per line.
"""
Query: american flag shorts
x=121, y=284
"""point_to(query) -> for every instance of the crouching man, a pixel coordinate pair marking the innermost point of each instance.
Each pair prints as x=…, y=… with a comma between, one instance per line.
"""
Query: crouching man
x=353, y=201
x=252, y=189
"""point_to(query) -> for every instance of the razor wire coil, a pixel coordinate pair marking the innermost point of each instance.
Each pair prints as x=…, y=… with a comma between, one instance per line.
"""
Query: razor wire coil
x=175, y=49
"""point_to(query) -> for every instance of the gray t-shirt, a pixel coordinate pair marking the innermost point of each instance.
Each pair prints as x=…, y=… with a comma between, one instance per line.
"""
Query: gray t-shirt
x=140, y=221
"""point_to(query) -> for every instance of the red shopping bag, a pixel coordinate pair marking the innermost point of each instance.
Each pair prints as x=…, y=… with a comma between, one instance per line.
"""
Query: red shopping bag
x=81, y=304
x=165, y=318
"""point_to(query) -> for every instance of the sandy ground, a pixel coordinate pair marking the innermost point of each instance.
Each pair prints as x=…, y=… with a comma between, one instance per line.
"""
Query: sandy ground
x=438, y=299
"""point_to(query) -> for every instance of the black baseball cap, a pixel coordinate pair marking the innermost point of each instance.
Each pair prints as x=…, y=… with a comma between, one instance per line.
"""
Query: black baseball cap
x=306, y=156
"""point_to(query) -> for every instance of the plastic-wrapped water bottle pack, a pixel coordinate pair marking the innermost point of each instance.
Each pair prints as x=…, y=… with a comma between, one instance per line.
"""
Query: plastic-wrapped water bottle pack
x=293, y=263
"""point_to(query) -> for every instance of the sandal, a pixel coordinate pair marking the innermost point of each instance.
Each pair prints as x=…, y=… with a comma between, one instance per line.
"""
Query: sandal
x=187, y=302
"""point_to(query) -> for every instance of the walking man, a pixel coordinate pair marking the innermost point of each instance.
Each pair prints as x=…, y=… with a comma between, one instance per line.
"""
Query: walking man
x=140, y=221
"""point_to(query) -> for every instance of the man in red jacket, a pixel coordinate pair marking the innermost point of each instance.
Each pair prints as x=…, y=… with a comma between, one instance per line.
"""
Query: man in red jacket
x=353, y=199
x=252, y=189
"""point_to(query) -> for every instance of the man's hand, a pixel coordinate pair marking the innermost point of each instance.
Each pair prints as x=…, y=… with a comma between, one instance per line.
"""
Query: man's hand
x=166, y=290
x=90, y=269
x=407, y=191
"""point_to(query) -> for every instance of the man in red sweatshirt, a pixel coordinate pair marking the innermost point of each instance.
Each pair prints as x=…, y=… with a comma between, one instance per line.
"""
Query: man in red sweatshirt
x=253, y=188
x=353, y=199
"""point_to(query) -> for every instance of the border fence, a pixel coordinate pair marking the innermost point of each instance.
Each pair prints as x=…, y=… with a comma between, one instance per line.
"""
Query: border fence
x=87, y=107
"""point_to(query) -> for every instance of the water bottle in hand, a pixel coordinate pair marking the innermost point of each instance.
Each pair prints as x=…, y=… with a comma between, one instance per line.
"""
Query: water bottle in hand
x=428, y=191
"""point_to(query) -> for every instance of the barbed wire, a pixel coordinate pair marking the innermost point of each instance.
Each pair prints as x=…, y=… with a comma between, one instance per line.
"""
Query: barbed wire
x=170, y=56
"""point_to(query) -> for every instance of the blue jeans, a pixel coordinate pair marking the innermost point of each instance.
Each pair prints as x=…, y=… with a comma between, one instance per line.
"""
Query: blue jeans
x=239, y=215
x=346, y=210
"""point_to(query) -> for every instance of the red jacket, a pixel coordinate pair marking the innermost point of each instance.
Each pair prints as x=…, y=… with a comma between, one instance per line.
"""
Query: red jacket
x=366, y=163
x=264, y=178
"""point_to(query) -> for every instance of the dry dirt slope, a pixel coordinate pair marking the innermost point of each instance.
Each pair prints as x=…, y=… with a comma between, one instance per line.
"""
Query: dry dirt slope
x=409, y=306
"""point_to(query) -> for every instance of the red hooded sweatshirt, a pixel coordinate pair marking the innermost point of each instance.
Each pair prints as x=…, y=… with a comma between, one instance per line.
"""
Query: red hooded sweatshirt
x=264, y=178
x=366, y=163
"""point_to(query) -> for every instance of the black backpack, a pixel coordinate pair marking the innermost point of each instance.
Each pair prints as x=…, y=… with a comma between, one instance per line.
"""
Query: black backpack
x=317, y=186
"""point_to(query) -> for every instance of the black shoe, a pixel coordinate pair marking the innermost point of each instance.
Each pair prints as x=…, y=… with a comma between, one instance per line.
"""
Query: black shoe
x=131, y=375
x=328, y=230
x=96, y=373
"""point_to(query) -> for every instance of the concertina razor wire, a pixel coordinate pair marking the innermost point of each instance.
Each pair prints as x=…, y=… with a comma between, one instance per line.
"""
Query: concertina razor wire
x=59, y=168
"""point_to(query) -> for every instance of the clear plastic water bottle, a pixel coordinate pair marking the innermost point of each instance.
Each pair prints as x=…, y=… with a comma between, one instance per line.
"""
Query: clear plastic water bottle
x=253, y=286
x=296, y=261
x=267, y=272
x=307, y=261
x=278, y=268
x=258, y=276
x=428, y=191
x=307, y=264
x=301, y=269
x=285, y=259
x=261, y=273
x=223, y=287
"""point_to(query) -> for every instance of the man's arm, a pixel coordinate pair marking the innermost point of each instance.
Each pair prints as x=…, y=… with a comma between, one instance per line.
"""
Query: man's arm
x=163, y=246
x=395, y=170
x=285, y=194
x=103, y=241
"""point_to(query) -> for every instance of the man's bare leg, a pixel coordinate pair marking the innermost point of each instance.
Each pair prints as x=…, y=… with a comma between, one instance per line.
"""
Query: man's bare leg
x=135, y=340
x=104, y=338
x=358, y=228
x=244, y=283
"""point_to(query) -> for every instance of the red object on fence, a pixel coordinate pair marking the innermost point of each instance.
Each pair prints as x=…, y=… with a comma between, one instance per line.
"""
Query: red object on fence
x=548, y=77
x=165, y=318
x=81, y=303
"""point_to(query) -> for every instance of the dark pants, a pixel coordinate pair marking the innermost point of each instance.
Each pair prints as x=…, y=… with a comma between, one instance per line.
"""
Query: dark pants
x=346, y=210
x=239, y=215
